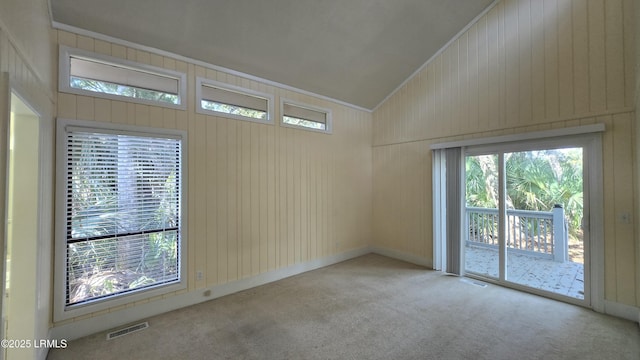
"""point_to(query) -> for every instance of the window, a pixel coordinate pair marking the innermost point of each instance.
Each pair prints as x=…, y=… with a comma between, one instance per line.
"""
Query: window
x=219, y=99
x=86, y=73
x=120, y=212
x=305, y=116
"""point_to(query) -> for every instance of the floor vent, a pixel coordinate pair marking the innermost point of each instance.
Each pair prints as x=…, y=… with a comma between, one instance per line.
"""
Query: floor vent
x=128, y=330
x=473, y=282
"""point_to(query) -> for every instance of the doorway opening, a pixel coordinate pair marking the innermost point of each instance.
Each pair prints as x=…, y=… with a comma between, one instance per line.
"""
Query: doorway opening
x=22, y=223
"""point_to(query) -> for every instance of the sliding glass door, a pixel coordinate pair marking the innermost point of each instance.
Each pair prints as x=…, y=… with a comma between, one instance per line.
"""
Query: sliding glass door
x=523, y=213
x=545, y=245
x=482, y=195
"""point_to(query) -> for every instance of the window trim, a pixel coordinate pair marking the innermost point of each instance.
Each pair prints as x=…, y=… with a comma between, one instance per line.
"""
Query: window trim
x=202, y=81
x=64, y=76
x=62, y=311
x=328, y=125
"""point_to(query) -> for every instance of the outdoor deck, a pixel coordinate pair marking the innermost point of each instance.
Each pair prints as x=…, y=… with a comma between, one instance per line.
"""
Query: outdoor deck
x=565, y=278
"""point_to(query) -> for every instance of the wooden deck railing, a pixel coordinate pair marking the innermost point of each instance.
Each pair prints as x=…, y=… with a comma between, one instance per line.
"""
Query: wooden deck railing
x=538, y=233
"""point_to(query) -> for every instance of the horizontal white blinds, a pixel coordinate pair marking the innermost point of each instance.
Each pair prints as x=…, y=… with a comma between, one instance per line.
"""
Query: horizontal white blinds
x=122, y=213
x=121, y=184
x=298, y=112
x=229, y=97
x=114, y=74
x=103, y=268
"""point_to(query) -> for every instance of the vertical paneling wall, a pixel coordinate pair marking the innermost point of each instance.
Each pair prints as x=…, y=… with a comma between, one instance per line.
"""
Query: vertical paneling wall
x=260, y=197
x=28, y=53
x=526, y=65
x=26, y=56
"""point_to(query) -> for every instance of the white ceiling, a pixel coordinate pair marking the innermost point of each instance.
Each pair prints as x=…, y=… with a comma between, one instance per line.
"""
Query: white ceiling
x=355, y=51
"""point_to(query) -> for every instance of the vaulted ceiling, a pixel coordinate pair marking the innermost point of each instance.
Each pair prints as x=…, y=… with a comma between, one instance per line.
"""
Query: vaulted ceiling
x=355, y=51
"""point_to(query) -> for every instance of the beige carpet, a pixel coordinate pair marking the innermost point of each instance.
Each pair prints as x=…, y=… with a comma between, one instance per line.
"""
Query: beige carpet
x=372, y=307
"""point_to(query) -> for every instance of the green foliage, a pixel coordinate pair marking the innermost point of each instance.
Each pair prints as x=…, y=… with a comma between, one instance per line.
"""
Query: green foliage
x=304, y=123
x=233, y=110
x=123, y=90
x=482, y=181
x=141, y=281
x=536, y=180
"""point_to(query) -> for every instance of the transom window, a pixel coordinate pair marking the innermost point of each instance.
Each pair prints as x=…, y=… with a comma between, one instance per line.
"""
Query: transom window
x=121, y=226
x=220, y=99
x=304, y=116
x=83, y=72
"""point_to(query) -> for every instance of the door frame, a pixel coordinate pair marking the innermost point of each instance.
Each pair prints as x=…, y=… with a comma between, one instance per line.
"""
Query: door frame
x=11, y=86
x=500, y=150
x=5, y=118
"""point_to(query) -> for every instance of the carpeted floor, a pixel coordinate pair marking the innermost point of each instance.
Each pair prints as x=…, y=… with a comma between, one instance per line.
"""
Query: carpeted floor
x=372, y=307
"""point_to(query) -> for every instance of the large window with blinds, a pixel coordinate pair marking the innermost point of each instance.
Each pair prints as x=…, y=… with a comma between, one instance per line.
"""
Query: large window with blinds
x=120, y=229
x=220, y=99
x=304, y=116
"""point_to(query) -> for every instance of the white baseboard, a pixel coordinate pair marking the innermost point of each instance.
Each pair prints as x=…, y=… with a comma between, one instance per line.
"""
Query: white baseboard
x=78, y=329
x=410, y=258
x=622, y=311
